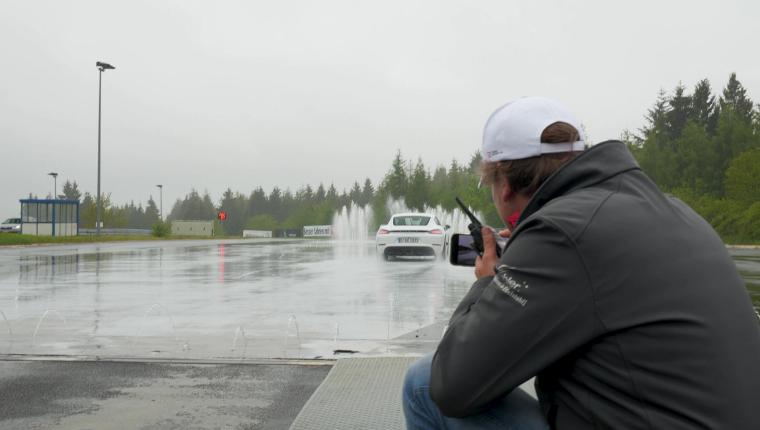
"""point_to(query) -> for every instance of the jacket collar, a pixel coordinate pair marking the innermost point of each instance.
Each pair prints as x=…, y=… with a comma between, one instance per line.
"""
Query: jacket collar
x=594, y=165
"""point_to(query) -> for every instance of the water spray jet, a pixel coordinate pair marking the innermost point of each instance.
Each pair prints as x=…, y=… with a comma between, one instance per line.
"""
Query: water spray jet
x=42, y=318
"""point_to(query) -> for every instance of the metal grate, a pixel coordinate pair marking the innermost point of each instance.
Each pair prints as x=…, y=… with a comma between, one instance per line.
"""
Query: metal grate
x=358, y=393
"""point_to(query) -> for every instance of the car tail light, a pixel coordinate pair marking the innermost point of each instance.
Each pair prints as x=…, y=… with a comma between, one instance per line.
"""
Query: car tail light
x=436, y=231
x=382, y=231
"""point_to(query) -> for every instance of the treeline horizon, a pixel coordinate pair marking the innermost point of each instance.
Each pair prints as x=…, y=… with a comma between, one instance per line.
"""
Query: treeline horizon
x=407, y=182
x=705, y=149
x=128, y=215
x=701, y=147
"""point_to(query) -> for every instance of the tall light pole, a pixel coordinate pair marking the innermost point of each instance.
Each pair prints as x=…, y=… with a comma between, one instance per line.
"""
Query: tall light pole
x=55, y=184
x=102, y=67
x=161, y=199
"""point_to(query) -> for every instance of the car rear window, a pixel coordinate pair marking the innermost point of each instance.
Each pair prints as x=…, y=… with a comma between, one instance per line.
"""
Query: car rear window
x=411, y=220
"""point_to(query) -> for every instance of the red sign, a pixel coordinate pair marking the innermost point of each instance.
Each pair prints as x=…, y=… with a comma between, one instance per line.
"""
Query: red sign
x=222, y=215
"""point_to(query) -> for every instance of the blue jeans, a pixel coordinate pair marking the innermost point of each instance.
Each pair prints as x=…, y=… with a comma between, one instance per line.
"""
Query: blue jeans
x=516, y=411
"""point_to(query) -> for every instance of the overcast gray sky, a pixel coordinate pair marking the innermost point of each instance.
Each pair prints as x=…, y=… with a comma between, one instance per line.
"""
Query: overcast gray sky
x=208, y=95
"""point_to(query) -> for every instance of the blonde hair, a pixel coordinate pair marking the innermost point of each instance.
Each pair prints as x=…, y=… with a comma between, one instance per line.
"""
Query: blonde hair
x=526, y=176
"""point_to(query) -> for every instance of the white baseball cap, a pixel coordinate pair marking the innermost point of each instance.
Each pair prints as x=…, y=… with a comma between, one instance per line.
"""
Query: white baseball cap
x=513, y=131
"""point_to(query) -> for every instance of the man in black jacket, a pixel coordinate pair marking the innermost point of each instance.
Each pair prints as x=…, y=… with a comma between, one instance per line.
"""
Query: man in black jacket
x=621, y=301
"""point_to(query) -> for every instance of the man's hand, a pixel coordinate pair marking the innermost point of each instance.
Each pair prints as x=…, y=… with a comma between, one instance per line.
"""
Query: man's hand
x=486, y=265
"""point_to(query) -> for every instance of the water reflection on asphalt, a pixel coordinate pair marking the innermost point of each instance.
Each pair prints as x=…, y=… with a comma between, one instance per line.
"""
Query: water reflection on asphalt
x=748, y=263
x=232, y=299
x=200, y=298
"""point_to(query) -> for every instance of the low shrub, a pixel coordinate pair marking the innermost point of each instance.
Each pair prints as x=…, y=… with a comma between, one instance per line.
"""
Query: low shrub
x=161, y=229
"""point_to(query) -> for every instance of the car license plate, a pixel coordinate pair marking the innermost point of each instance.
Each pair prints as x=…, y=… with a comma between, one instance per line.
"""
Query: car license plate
x=408, y=240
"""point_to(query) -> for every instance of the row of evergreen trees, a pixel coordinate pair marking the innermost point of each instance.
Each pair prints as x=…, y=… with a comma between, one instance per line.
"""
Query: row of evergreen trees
x=126, y=216
x=418, y=188
x=705, y=149
x=280, y=209
x=410, y=183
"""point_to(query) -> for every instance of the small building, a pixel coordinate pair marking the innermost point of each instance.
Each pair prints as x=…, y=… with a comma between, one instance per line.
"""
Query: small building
x=50, y=217
x=193, y=228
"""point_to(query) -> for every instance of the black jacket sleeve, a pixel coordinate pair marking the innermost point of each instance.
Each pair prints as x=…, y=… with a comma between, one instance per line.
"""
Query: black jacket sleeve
x=537, y=308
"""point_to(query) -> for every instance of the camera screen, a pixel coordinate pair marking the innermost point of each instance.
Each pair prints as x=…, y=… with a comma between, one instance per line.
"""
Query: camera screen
x=466, y=253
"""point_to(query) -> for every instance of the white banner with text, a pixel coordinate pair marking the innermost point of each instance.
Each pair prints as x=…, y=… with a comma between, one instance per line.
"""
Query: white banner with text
x=317, y=231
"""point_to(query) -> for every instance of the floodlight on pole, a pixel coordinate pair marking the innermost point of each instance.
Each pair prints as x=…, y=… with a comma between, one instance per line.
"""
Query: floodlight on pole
x=101, y=66
x=55, y=184
x=161, y=199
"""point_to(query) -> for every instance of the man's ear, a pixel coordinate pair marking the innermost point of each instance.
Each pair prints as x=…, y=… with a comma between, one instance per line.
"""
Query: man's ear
x=505, y=193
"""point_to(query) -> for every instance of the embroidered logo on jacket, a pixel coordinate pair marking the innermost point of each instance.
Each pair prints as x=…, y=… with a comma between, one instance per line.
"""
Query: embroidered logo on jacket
x=510, y=286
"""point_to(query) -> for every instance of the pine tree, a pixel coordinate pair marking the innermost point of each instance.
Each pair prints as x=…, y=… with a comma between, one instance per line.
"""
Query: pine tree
x=308, y=194
x=207, y=209
x=356, y=193
x=332, y=195
x=151, y=213
x=70, y=191
x=87, y=212
x=368, y=193
x=735, y=97
x=193, y=207
x=678, y=114
x=344, y=199
x=733, y=136
x=288, y=204
x=457, y=184
x=257, y=203
x=696, y=159
x=418, y=190
x=656, y=116
x=236, y=207
x=396, y=179
x=656, y=155
x=703, y=108
x=439, y=188
x=319, y=196
x=475, y=161
x=275, y=204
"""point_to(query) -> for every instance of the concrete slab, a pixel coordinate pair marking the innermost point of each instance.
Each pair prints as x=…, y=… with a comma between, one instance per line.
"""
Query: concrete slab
x=133, y=395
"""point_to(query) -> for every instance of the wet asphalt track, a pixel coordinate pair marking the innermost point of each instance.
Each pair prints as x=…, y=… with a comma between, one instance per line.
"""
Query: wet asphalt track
x=228, y=299
x=165, y=335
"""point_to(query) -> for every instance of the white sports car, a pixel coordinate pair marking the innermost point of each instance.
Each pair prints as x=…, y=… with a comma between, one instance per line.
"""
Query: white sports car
x=412, y=235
